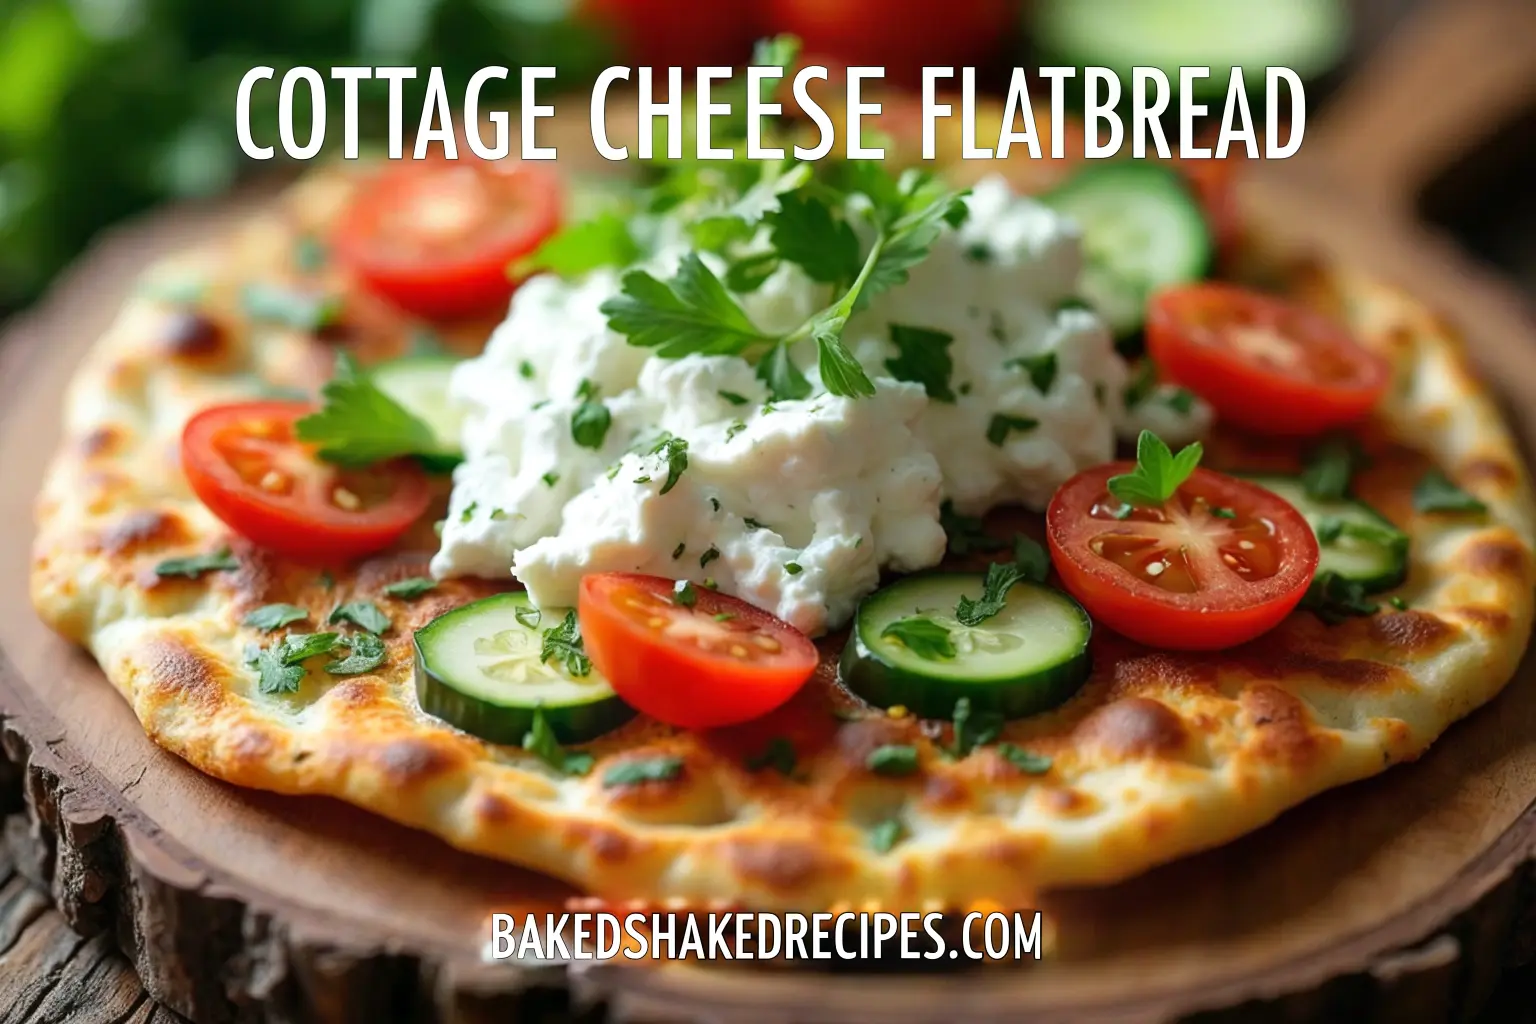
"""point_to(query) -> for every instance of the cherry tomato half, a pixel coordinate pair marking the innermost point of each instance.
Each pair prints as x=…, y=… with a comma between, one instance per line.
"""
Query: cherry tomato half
x=718, y=661
x=1219, y=563
x=246, y=465
x=436, y=237
x=1265, y=364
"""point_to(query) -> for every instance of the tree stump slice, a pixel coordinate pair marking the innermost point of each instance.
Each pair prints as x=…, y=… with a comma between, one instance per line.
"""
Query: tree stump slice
x=1400, y=898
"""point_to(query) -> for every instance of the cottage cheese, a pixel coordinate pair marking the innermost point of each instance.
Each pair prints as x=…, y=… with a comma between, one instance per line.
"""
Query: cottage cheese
x=793, y=506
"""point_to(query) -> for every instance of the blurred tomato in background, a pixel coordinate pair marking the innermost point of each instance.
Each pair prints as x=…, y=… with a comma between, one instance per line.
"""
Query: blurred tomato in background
x=900, y=35
x=686, y=33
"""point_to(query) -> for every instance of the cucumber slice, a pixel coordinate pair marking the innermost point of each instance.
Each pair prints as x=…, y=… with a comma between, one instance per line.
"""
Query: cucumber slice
x=1369, y=549
x=420, y=384
x=1027, y=658
x=1142, y=230
x=478, y=668
x=1307, y=36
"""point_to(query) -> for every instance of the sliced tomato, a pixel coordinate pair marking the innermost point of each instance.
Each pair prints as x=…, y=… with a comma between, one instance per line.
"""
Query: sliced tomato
x=1265, y=364
x=436, y=237
x=1219, y=563
x=244, y=462
x=684, y=33
x=718, y=661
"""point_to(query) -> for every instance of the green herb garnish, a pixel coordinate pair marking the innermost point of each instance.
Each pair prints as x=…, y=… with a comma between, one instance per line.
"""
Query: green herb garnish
x=974, y=728
x=1330, y=467
x=364, y=614
x=650, y=769
x=1041, y=368
x=1435, y=493
x=193, y=566
x=564, y=644
x=1001, y=576
x=884, y=836
x=778, y=755
x=365, y=653
x=1158, y=473
x=1025, y=761
x=410, y=589
x=1002, y=425
x=1333, y=598
x=922, y=636
x=360, y=425
x=582, y=247
x=683, y=594
x=923, y=359
x=591, y=419
x=542, y=743
x=965, y=533
x=274, y=616
x=892, y=759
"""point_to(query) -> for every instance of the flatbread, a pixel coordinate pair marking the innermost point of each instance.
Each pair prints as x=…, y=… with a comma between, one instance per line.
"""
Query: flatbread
x=1160, y=754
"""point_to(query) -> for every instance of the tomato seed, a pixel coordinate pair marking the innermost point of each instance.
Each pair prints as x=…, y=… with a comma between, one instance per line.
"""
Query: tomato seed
x=346, y=499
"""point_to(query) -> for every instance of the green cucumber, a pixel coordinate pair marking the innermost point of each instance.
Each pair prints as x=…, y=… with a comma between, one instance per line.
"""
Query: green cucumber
x=1307, y=36
x=1028, y=658
x=478, y=668
x=1142, y=230
x=420, y=385
x=1354, y=540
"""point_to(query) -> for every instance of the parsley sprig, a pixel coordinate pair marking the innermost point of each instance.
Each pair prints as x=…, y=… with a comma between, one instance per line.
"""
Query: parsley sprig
x=1158, y=473
x=359, y=424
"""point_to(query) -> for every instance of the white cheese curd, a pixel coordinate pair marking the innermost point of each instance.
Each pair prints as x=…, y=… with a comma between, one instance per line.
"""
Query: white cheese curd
x=794, y=506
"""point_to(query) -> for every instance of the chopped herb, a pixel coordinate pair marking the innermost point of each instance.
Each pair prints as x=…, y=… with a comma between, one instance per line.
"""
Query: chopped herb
x=714, y=504
x=710, y=584
x=1001, y=576
x=650, y=769
x=1034, y=561
x=360, y=425
x=1396, y=601
x=274, y=616
x=326, y=580
x=410, y=589
x=722, y=616
x=996, y=328
x=922, y=636
x=1333, y=598
x=892, y=759
x=364, y=614
x=1143, y=383
x=469, y=512
x=643, y=478
x=563, y=643
x=1329, y=468
x=734, y=398
x=736, y=427
x=965, y=533
x=193, y=566
x=1025, y=761
x=1221, y=512
x=677, y=552
x=978, y=252
x=964, y=389
x=923, y=358
x=1041, y=368
x=974, y=728
x=674, y=452
x=280, y=667
x=527, y=616
x=1181, y=401
x=1066, y=304
x=884, y=836
x=709, y=556
x=550, y=479
x=498, y=514
x=290, y=307
x=684, y=594
x=1330, y=528
x=778, y=755
x=782, y=377
x=525, y=370
x=753, y=524
x=793, y=568
x=1002, y=425
x=543, y=744
x=365, y=652
x=1435, y=493
x=591, y=419
x=1158, y=473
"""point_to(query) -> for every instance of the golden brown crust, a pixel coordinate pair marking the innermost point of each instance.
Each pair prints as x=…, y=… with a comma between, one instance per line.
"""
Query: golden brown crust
x=1160, y=754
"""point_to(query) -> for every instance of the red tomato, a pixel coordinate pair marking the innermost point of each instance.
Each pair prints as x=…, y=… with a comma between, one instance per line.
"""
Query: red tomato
x=436, y=237
x=1180, y=576
x=899, y=35
x=245, y=464
x=1265, y=364
x=717, y=662
x=681, y=33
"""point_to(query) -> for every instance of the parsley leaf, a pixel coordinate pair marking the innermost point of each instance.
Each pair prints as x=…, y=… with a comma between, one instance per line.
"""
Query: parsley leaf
x=591, y=419
x=683, y=594
x=924, y=359
x=892, y=759
x=884, y=836
x=749, y=273
x=841, y=374
x=783, y=377
x=1034, y=561
x=579, y=248
x=734, y=398
x=922, y=636
x=542, y=742
x=1158, y=471
x=410, y=589
x=778, y=755
x=1041, y=368
x=1333, y=598
x=1001, y=576
x=709, y=556
x=974, y=728
x=364, y=614
x=1330, y=528
x=1025, y=761
x=193, y=566
x=365, y=652
x=965, y=533
x=649, y=769
x=674, y=452
x=360, y=425
x=1329, y=468
x=1435, y=493
x=691, y=313
x=564, y=644
x=280, y=666
x=274, y=616
x=805, y=230
x=1003, y=425
x=1143, y=383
